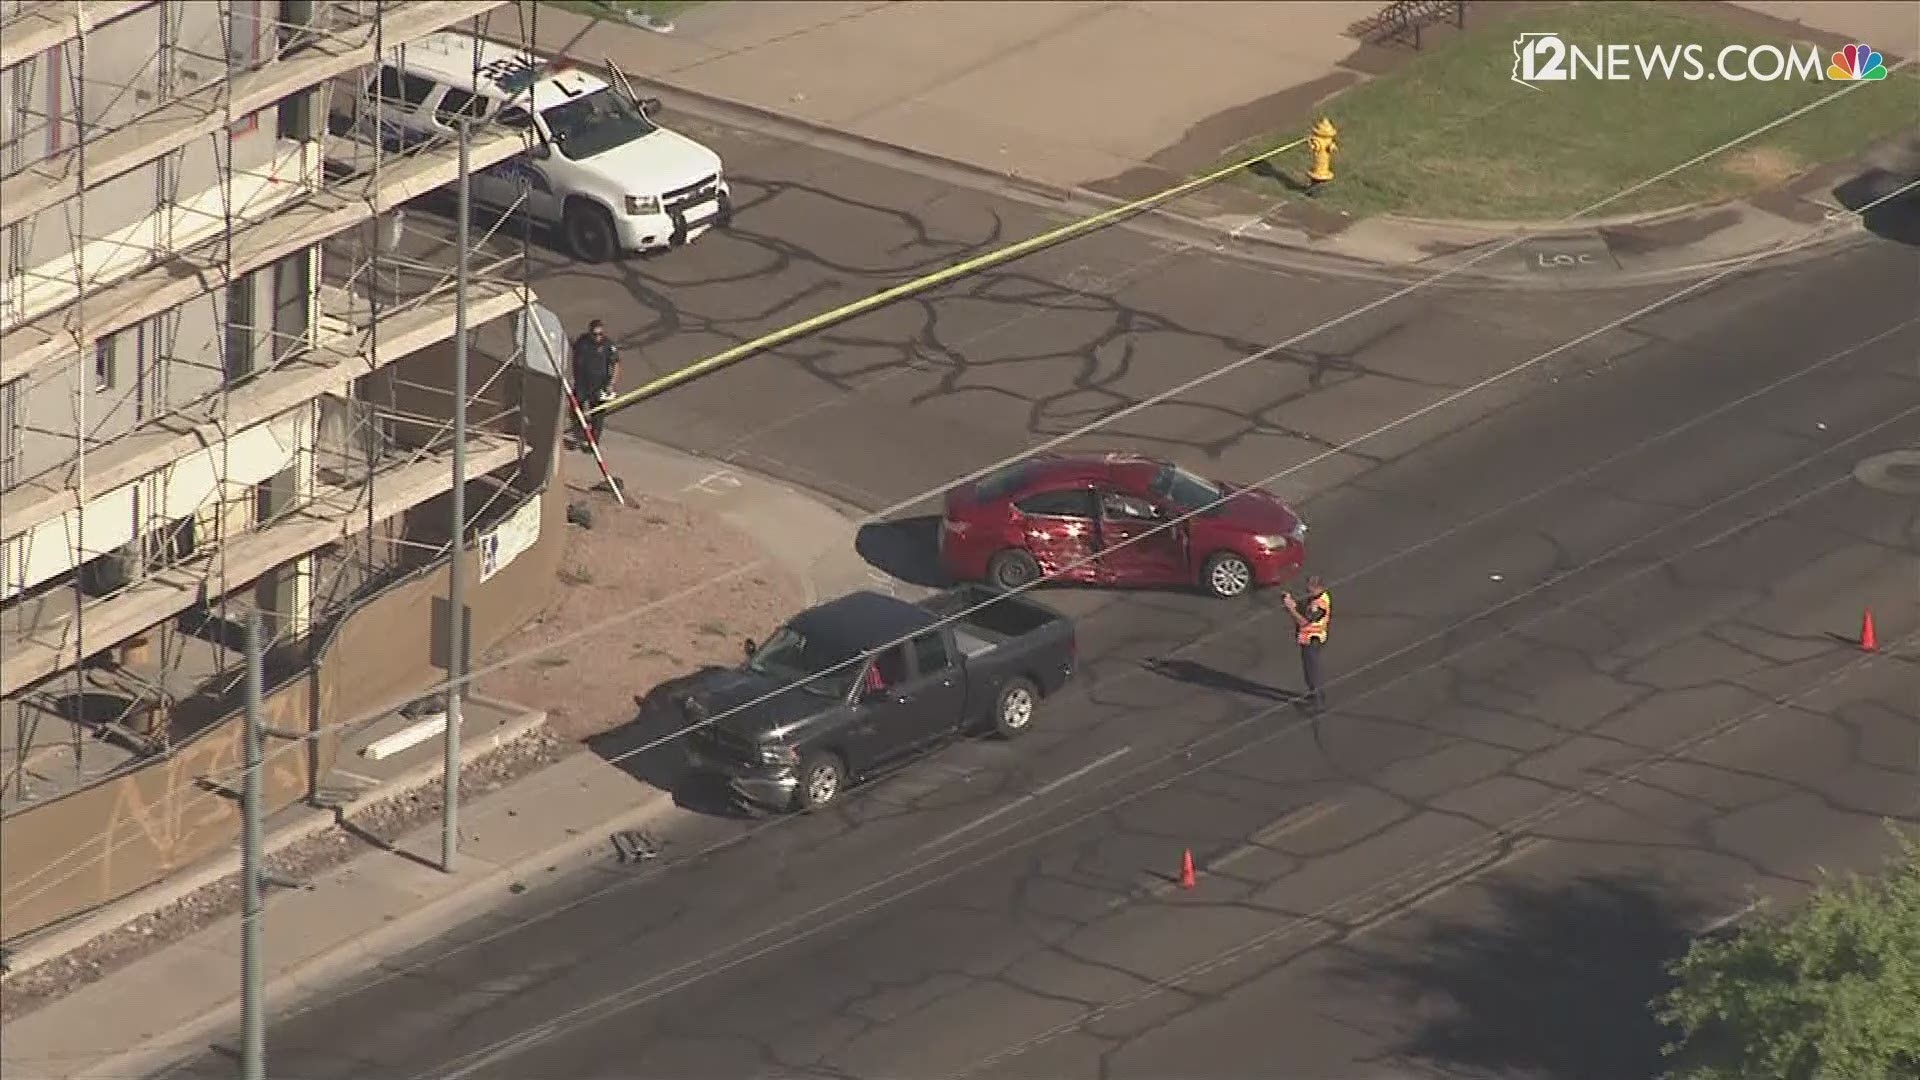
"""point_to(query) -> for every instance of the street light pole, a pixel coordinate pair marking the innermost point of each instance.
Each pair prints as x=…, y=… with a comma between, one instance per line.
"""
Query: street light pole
x=253, y=1024
x=456, y=568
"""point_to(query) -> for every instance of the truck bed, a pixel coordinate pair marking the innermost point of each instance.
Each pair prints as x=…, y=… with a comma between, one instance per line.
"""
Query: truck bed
x=993, y=618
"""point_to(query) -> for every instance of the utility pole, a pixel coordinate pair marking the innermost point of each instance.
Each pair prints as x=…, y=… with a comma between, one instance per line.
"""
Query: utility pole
x=253, y=1021
x=456, y=569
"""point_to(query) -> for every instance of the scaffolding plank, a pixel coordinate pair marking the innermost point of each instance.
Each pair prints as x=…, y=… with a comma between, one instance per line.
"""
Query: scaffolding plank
x=312, y=218
x=165, y=440
x=106, y=623
x=41, y=26
x=204, y=111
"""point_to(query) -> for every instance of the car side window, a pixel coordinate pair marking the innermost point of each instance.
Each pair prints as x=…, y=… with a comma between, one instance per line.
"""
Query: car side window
x=891, y=663
x=1067, y=504
x=930, y=655
x=458, y=103
x=398, y=86
x=1120, y=507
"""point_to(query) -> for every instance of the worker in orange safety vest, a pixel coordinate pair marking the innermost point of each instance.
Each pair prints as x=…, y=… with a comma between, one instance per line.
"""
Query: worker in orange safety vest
x=1310, y=616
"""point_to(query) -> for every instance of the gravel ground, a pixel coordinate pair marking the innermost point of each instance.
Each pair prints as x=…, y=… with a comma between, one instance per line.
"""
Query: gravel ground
x=649, y=549
x=632, y=556
x=375, y=827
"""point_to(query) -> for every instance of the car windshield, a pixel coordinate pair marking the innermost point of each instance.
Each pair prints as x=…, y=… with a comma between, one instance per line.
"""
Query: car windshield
x=790, y=657
x=1183, y=489
x=595, y=123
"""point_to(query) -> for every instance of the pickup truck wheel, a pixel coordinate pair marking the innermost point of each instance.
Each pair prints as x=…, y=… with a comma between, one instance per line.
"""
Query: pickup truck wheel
x=1227, y=575
x=1013, y=569
x=1013, y=710
x=588, y=229
x=822, y=778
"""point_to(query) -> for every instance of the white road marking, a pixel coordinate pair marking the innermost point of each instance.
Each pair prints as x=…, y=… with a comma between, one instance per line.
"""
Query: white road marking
x=714, y=482
x=1424, y=893
x=1027, y=798
x=1293, y=822
x=351, y=775
x=1261, y=840
x=1727, y=920
x=502, y=1052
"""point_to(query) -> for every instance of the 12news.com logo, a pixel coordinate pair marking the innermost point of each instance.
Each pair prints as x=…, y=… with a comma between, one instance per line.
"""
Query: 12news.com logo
x=1541, y=57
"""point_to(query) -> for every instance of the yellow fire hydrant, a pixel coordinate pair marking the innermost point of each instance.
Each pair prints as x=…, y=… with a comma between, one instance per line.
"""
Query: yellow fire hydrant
x=1321, y=147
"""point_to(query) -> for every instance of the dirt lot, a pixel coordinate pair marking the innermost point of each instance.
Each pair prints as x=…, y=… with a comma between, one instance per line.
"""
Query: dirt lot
x=628, y=559
x=631, y=556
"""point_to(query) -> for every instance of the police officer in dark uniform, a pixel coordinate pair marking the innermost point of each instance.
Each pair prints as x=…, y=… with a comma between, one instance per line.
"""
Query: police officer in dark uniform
x=596, y=368
x=1311, y=614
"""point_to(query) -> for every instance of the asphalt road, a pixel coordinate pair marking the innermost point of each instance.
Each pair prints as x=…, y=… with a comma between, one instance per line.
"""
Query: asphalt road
x=1593, y=683
x=978, y=369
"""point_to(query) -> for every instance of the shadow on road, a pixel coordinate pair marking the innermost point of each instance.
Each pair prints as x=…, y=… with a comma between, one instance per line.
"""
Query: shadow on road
x=664, y=766
x=1556, y=982
x=908, y=549
x=1188, y=671
x=1897, y=219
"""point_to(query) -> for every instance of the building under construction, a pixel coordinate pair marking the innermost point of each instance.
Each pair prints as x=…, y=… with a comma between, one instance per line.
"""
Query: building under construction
x=225, y=387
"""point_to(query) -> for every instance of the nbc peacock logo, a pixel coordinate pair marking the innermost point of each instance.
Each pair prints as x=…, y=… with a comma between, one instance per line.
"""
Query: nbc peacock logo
x=1856, y=62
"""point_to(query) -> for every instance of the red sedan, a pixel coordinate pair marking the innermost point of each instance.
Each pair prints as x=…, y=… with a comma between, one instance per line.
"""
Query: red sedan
x=1118, y=520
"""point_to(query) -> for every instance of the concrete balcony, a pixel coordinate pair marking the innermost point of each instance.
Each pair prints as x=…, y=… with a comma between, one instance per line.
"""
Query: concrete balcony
x=344, y=350
x=333, y=209
x=335, y=512
x=40, y=26
x=208, y=109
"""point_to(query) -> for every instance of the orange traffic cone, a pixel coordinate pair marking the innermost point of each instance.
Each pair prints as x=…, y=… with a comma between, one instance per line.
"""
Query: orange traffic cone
x=1868, y=643
x=1186, y=869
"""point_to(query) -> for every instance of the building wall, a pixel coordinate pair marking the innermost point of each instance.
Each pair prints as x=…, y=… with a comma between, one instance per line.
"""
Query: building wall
x=162, y=365
x=67, y=268
x=126, y=69
x=53, y=263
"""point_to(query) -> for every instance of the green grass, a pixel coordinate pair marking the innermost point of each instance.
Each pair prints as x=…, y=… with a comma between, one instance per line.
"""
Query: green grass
x=1452, y=136
x=658, y=10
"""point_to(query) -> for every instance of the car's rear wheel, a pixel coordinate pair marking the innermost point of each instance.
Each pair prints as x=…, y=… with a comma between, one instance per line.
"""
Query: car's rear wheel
x=822, y=779
x=1013, y=569
x=1013, y=710
x=1226, y=575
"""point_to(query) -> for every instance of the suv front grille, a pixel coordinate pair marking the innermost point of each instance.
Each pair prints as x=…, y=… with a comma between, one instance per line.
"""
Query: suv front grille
x=694, y=191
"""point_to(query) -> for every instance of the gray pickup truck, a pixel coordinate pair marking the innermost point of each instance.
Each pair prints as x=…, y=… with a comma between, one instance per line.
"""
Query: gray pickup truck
x=968, y=659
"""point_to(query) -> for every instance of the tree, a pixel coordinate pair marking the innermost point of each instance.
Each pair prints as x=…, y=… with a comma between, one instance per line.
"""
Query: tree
x=1827, y=991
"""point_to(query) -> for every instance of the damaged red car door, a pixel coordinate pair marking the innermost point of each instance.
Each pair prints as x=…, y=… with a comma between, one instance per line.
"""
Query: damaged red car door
x=1060, y=528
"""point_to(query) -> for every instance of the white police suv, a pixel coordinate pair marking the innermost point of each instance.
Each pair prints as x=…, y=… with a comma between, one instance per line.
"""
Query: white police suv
x=599, y=170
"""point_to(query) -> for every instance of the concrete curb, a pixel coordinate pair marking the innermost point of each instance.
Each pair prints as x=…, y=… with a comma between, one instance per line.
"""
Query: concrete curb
x=1167, y=223
x=213, y=870
x=330, y=967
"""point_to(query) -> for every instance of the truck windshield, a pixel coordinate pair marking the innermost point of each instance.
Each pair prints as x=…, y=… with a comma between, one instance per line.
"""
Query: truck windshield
x=790, y=657
x=595, y=123
x=1183, y=489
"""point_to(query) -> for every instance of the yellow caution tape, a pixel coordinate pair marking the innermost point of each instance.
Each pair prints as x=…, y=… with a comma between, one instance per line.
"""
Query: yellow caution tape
x=920, y=284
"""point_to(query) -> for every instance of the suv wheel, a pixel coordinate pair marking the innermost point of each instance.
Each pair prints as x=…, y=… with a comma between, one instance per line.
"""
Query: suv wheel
x=589, y=231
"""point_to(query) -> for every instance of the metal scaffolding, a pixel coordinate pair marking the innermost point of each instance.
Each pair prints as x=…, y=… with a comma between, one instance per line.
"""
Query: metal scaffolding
x=120, y=646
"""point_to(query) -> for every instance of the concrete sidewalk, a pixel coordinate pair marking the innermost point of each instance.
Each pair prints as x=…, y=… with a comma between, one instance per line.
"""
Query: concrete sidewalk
x=801, y=532
x=1085, y=106
x=555, y=821
x=1065, y=94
